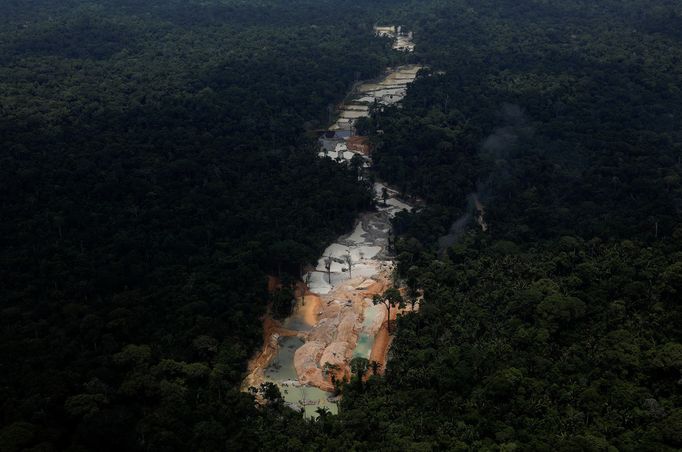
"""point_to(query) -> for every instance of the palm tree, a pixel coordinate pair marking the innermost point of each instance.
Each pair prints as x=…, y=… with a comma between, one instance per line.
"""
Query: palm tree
x=375, y=366
x=390, y=298
x=358, y=366
x=328, y=267
x=330, y=368
x=356, y=163
x=349, y=261
x=322, y=413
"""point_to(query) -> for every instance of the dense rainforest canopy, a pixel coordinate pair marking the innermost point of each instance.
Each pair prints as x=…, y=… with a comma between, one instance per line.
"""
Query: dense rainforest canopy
x=157, y=161
x=155, y=168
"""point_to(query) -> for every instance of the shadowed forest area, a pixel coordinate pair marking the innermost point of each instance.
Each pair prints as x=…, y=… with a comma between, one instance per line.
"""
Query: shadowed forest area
x=559, y=327
x=155, y=168
x=158, y=160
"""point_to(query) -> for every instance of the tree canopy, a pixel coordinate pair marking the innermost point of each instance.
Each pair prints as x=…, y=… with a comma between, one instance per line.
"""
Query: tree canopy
x=158, y=161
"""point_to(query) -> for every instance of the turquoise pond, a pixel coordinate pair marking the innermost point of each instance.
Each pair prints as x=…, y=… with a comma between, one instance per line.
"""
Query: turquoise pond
x=363, y=348
x=282, y=372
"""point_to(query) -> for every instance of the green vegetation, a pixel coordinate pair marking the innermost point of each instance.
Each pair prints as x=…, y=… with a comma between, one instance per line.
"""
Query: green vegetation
x=572, y=345
x=559, y=327
x=158, y=161
x=155, y=167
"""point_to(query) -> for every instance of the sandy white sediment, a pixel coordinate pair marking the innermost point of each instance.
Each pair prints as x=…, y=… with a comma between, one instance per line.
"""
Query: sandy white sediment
x=320, y=344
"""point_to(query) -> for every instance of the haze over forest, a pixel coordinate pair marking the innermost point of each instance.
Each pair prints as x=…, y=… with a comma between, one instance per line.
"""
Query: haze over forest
x=401, y=225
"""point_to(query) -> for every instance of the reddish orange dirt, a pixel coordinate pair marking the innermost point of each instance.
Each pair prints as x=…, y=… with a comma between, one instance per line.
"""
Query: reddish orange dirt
x=359, y=144
x=383, y=340
x=273, y=283
x=311, y=303
x=259, y=362
x=312, y=309
x=270, y=326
